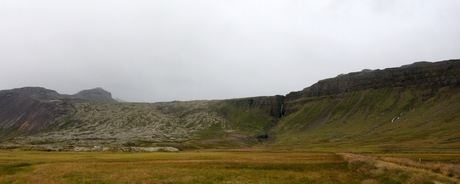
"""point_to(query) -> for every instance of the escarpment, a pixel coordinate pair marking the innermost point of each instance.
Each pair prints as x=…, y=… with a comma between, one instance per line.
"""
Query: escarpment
x=421, y=75
x=413, y=107
x=269, y=105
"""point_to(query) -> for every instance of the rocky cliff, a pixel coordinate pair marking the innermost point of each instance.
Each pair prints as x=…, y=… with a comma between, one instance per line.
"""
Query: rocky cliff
x=414, y=107
x=424, y=75
x=270, y=105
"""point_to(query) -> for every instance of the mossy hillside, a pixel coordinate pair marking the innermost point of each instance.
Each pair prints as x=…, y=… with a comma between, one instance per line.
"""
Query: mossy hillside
x=250, y=121
x=96, y=123
x=239, y=130
x=192, y=124
x=375, y=119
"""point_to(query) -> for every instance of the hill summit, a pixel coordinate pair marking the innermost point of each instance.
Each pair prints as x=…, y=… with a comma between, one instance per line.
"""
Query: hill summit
x=96, y=95
x=29, y=110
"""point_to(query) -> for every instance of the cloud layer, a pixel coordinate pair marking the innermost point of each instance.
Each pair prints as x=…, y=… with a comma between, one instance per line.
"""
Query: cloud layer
x=148, y=51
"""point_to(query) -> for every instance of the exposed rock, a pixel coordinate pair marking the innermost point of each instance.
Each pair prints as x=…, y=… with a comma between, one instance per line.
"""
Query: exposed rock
x=30, y=110
x=269, y=105
x=153, y=149
x=126, y=149
x=128, y=124
x=423, y=75
x=90, y=149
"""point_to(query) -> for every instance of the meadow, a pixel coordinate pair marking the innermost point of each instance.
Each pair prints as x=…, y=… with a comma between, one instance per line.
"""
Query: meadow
x=230, y=166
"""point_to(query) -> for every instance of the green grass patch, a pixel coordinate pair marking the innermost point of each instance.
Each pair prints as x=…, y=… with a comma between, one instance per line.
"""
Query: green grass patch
x=375, y=120
x=15, y=168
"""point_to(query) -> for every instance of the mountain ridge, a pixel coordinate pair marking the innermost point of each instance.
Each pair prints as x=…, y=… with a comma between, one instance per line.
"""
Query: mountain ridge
x=360, y=109
x=28, y=110
x=425, y=75
x=96, y=94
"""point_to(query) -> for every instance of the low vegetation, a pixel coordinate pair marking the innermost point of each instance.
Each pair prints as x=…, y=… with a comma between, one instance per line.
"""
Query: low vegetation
x=231, y=166
x=403, y=122
x=405, y=119
x=186, y=125
x=382, y=169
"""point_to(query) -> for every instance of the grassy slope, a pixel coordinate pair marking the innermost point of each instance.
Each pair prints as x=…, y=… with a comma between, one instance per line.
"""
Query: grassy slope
x=362, y=121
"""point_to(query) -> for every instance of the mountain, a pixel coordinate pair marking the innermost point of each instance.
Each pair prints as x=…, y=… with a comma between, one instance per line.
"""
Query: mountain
x=409, y=108
x=29, y=110
x=95, y=95
x=413, y=107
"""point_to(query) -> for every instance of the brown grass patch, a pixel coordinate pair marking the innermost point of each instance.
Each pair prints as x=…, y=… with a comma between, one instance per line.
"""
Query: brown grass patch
x=390, y=169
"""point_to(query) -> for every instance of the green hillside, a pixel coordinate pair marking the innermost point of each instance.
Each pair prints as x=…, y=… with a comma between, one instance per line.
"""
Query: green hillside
x=386, y=119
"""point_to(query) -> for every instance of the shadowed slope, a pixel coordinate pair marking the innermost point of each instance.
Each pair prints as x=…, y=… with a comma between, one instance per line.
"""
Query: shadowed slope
x=29, y=110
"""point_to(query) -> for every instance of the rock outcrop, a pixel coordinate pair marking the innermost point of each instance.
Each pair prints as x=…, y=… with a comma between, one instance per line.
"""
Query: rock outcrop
x=268, y=105
x=423, y=75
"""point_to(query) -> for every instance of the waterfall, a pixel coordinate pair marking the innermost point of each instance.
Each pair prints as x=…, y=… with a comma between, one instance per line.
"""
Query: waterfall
x=281, y=110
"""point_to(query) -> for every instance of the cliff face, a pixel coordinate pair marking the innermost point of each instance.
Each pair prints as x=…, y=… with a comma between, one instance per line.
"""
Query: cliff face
x=30, y=110
x=423, y=75
x=270, y=105
x=414, y=107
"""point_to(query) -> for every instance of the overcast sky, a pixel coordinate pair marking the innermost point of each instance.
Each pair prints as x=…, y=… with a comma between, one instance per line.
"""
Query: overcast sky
x=150, y=51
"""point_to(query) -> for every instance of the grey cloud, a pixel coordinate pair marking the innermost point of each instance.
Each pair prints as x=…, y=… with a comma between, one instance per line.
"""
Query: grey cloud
x=187, y=50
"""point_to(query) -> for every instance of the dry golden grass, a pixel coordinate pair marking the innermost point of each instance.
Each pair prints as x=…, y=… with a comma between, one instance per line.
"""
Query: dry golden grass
x=447, y=169
x=231, y=166
x=185, y=167
x=402, y=169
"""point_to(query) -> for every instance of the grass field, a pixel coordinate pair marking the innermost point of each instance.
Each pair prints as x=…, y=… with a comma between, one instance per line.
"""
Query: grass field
x=248, y=166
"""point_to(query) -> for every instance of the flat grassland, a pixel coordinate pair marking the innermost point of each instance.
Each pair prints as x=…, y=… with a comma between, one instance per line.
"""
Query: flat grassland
x=240, y=166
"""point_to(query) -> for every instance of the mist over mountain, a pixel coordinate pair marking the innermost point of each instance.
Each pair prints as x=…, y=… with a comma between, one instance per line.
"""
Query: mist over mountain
x=157, y=51
x=414, y=107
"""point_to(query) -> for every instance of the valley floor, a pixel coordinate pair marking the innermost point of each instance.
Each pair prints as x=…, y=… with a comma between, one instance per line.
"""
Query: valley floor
x=231, y=166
